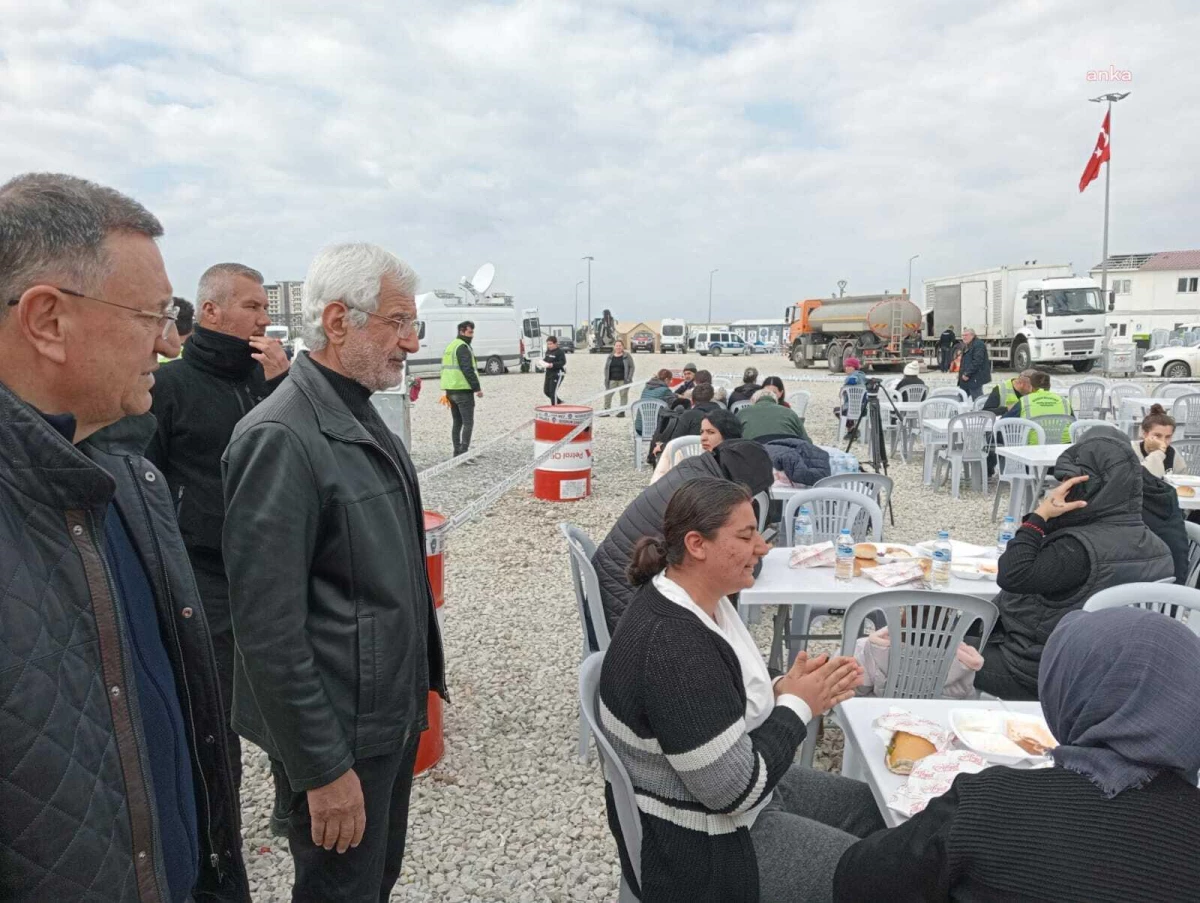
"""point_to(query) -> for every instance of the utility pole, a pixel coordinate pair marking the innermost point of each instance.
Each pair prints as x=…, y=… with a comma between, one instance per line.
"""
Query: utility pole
x=710, y=275
x=910, y=260
x=1110, y=99
x=589, y=283
x=575, y=322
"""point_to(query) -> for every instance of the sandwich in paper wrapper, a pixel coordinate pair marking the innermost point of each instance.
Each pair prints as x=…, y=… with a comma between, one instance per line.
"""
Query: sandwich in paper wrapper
x=933, y=774
x=819, y=555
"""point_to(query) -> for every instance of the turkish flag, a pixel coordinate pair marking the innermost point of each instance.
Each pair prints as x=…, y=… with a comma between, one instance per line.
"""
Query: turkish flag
x=1099, y=155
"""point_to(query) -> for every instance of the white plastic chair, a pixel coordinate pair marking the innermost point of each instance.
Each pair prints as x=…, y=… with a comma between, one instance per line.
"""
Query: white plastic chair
x=942, y=408
x=1057, y=427
x=949, y=392
x=628, y=817
x=738, y=405
x=1122, y=390
x=1186, y=411
x=799, y=400
x=1014, y=432
x=966, y=449
x=925, y=629
x=875, y=486
x=833, y=509
x=1193, y=574
x=854, y=401
x=1087, y=398
x=1079, y=428
x=645, y=422
x=681, y=448
x=1174, y=390
x=1129, y=416
x=580, y=550
x=1172, y=600
x=1190, y=449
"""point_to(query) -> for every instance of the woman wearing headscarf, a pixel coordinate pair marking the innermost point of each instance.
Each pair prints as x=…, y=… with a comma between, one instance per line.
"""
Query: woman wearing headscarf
x=1086, y=535
x=707, y=737
x=1117, y=817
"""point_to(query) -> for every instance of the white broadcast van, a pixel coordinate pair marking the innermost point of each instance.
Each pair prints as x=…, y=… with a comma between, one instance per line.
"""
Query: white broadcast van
x=674, y=336
x=498, y=342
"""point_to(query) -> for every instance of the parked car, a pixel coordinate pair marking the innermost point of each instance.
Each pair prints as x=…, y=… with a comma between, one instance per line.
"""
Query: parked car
x=718, y=343
x=641, y=341
x=1173, y=361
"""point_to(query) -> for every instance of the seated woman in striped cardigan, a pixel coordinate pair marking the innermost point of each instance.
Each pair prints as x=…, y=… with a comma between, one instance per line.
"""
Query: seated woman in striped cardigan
x=707, y=738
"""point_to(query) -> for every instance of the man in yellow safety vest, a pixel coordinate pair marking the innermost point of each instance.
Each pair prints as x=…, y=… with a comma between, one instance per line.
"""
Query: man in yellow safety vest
x=460, y=382
x=1041, y=402
x=1006, y=394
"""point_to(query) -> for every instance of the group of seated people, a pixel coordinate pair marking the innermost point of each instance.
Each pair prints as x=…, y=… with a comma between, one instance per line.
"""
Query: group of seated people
x=709, y=737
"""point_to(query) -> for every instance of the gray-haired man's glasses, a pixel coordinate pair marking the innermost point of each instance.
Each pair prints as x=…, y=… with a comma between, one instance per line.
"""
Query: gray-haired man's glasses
x=165, y=317
x=405, y=326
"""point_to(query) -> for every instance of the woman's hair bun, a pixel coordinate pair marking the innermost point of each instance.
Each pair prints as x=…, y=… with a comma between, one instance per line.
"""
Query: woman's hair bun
x=1157, y=409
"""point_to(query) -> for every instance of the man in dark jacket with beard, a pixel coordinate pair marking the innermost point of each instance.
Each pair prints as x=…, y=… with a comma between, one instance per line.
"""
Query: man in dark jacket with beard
x=734, y=459
x=230, y=366
x=115, y=784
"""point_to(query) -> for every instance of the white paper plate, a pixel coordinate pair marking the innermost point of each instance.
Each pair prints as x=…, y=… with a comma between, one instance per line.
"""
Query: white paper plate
x=1183, y=479
x=971, y=569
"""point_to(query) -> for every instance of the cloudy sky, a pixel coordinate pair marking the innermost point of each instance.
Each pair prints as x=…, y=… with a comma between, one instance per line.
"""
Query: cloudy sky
x=788, y=144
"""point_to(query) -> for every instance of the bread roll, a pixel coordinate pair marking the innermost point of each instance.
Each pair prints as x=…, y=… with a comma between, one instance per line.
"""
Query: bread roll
x=865, y=551
x=906, y=750
x=1187, y=492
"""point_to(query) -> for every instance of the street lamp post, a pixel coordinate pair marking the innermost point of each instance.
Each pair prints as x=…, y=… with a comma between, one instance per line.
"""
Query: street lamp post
x=710, y=275
x=910, y=260
x=575, y=321
x=1110, y=99
x=589, y=284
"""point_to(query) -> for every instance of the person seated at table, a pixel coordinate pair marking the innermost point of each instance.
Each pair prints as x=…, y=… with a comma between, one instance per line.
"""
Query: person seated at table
x=749, y=386
x=689, y=379
x=766, y=419
x=1041, y=402
x=1154, y=450
x=686, y=423
x=736, y=460
x=776, y=383
x=801, y=462
x=852, y=367
x=911, y=377
x=1006, y=394
x=705, y=378
x=1116, y=818
x=708, y=739
x=716, y=427
x=1086, y=535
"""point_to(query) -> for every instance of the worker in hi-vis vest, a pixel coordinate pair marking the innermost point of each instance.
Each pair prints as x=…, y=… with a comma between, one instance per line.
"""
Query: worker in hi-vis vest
x=460, y=382
x=1006, y=394
x=1040, y=403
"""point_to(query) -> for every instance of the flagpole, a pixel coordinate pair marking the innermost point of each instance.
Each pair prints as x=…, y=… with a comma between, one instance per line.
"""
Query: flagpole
x=1110, y=99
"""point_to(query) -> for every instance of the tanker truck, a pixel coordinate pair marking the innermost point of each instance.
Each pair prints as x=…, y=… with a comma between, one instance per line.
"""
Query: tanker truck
x=880, y=330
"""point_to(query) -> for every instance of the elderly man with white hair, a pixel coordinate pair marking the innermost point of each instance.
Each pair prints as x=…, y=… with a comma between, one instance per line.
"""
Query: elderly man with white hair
x=337, y=640
x=766, y=418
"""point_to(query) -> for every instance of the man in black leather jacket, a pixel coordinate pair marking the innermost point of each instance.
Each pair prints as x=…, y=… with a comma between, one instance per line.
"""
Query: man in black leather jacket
x=338, y=644
x=229, y=367
x=115, y=784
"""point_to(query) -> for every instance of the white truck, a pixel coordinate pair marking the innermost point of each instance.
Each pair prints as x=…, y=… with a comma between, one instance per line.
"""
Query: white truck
x=1026, y=315
x=674, y=336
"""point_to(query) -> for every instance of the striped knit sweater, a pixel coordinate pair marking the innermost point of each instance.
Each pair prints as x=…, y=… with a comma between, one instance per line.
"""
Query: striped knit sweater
x=672, y=703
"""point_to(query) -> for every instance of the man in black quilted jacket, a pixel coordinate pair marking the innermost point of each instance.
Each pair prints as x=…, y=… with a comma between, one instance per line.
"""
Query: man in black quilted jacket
x=115, y=783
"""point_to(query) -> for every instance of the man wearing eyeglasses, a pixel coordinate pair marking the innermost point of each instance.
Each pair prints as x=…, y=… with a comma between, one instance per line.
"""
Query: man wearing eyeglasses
x=338, y=644
x=115, y=780
x=230, y=366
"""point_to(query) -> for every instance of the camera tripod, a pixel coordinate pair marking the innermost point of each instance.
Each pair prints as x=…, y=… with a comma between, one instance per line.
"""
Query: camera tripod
x=876, y=444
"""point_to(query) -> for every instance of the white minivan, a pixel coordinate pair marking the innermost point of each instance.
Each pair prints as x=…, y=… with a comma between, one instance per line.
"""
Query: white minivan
x=497, y=344
x=674, y=336
x=718, y=343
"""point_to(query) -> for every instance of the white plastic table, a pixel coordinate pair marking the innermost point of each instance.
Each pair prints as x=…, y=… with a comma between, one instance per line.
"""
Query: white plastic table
x=864, y=756
x=784, y=493
x=814, y=591
x=1040, y=457
x=1192, y=504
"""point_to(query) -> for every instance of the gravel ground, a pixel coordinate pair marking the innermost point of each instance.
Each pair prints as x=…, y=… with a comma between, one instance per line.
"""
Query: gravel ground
x=510, y=814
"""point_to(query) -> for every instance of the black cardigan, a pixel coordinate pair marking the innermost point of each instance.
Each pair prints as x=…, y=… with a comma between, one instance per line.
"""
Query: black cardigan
x=1042, y=835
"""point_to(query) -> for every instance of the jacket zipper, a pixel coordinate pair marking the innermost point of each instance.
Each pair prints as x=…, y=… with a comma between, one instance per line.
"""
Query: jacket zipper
x=178, y=503
x=135, y=722
x=424, y=571
x=213, y=857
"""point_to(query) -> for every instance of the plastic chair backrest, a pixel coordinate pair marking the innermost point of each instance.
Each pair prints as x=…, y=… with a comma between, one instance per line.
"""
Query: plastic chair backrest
x=1057, y=427
x=1189, y=448
x=581, y=550
x=1123, y=390
x=799, y=401
x=833, y=509
x=948, y=392
x=914, y=393
x=938, y=409
x=1079, y=428
x=925, y=629
x=645, y=416
x=738, y=405
x=873, y=485
x=1172, y=600
x=682, y=447
x=628, y=816
x=1015, y=431
x=979, y=403
x=1174, y=390
x=1193, y=574
x=854, y=399
x=762, y=506
x=1129, y=409
x=1087, y=397
x=1186, y=411
x=968, y=433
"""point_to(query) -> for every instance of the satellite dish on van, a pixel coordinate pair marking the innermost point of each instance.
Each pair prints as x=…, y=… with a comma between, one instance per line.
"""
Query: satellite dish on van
x=484, y=277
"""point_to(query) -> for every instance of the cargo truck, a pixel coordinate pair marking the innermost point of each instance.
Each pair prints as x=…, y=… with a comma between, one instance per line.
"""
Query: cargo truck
x=880, y=330
x=1026, y=315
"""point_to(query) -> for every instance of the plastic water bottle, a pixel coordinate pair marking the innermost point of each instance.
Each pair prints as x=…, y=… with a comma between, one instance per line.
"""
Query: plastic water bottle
x=803, y=527
x=942, y=553
x=843, y=571
x=1007, y=531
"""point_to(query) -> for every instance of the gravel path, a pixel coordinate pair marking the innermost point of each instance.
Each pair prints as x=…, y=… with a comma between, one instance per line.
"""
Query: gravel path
x=510, y=814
